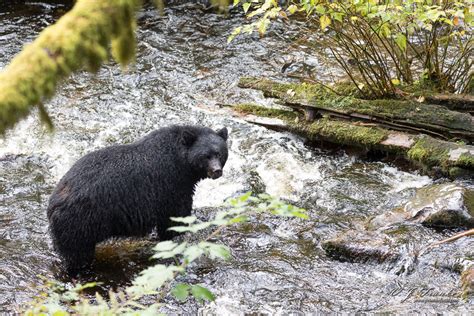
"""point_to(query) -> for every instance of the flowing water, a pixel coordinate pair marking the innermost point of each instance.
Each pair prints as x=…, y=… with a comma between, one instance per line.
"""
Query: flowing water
x=184, y=71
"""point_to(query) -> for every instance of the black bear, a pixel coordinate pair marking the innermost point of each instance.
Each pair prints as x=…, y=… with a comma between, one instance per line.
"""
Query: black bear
x=127, y=190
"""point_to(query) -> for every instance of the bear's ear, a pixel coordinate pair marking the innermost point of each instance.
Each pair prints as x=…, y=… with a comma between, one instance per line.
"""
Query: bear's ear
x=222, y=133
x=188, y=138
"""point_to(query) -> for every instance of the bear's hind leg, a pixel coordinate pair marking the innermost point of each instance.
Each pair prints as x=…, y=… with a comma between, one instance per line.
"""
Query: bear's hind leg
x=76, y=260
x=74, y=241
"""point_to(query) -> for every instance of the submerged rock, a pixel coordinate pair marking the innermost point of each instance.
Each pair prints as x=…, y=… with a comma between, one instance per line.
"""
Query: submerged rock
x=362, y=247
x=443, y=205
x=398, y=234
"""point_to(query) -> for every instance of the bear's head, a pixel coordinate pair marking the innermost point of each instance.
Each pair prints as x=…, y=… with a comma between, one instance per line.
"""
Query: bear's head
x=207, y=151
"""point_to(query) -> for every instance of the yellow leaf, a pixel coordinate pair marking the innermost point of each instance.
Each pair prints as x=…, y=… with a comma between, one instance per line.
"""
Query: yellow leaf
x=325, y=21
x=246, y=6
x=292, y=9
x=396, y=82
x=401, y=41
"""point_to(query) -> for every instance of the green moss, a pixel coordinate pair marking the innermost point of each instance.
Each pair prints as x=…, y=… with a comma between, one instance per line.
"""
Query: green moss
x=469, y=201
x=419, y=89
x=341, y=132
x=286, y=115
x=80, y=39
x=303, y=92
x=432, y=152
x=466, y=160
x=399, y=230
x=347, y=88
x=427, y=152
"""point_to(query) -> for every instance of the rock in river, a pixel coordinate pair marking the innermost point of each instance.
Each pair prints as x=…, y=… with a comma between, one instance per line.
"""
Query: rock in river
x=443, y=205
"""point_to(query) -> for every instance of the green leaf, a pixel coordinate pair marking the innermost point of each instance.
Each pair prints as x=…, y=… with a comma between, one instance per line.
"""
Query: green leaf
x=54, y=309
x=325, y=21
x=264, y=196
x=236, y=2
x=244, y=197
x=246, y=6
x=165, y=245
x=299, y=214
x=197, y=227
x=220, y=222
x=192, y=253
x=215, y=250
x=401, y=41
x=248, y=29
x=186, y=220
x=171, y=253
x=337, y=16
x=320, y=9
x=201, y=294
x=221, y=215
x=234, y=33
x=152, y=310
x=180, y=229
x=181, y=291
x=385, y=30
x=152, y=279
x=88, y=285
x=239, y=219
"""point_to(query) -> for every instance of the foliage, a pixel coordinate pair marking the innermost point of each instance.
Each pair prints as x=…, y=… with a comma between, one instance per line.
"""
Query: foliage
x=157, y=279
x=387, y=43
x=79, y=40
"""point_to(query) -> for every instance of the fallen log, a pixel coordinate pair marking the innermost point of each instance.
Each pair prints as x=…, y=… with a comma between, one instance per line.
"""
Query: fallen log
x=462, y=103
x=430, y=154
x=402, y=115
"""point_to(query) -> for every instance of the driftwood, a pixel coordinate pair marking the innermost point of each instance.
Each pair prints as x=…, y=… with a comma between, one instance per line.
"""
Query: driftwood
x=467, y=233
x=407, y=116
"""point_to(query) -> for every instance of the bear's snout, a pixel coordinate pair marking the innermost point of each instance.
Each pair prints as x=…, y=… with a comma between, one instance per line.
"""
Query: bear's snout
x=214, y=174
x=214, y=170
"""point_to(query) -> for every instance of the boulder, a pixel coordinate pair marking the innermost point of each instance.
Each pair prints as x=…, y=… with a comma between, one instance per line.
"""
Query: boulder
x=445, y=205
x=442, y=205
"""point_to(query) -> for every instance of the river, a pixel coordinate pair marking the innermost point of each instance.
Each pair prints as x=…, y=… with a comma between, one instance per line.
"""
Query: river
x=184, y=70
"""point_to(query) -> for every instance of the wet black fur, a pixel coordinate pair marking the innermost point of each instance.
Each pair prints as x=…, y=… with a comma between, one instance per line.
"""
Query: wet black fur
x=127, y=190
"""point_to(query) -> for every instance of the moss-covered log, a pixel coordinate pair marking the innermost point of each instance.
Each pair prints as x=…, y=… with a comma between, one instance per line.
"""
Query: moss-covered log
x=79, y=40
x=453, y=159
x=463, y=103
x=402, y=115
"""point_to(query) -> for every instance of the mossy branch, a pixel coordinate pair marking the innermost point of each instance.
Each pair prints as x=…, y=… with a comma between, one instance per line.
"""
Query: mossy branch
x=79, y=40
